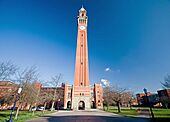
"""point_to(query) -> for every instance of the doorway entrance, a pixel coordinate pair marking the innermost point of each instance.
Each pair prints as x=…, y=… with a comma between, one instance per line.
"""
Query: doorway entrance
x=81, y=105
x=93, y=105
x=68, y=105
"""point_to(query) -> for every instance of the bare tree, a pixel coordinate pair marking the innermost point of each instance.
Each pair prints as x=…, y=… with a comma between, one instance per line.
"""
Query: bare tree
x=166, y=83
x=55, y=82
x=107, y=96
x=8, y=97
x=26, y=79
x=117, y=96
x=7, y=69
x=127, y=98
x=44, y=98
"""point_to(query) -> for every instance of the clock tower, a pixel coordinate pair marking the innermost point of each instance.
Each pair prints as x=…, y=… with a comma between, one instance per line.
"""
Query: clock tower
x=81, y=88
x=82, y=95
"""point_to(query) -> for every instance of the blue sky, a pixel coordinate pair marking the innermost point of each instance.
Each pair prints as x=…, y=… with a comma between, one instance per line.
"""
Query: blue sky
x=131, y=37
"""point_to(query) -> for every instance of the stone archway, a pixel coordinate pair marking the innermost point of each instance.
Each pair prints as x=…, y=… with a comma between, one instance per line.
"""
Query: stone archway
x=68, y=105
x=81, y=105
x=93, y=105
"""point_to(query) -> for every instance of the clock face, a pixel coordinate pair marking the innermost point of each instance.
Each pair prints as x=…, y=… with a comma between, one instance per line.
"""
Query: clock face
x=82, y=27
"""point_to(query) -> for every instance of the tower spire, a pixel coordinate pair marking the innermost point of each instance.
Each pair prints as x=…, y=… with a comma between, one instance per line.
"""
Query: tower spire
x=82, y=8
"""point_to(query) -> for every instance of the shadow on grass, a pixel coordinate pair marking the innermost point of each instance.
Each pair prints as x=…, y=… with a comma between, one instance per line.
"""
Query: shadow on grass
x=162, y=120
x=4, y=115
x=84, y=118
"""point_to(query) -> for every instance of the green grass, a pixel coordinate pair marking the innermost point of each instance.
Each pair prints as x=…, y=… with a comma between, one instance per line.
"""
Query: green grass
x=124, y=111
x=158, y=112
x=161, y=113
x=22, y=117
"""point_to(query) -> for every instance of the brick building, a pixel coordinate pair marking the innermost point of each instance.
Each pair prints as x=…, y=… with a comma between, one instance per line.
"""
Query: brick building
x=153, y=99
x=5, y=86
x=59, y=103
x=82, y=95
x=164, y=96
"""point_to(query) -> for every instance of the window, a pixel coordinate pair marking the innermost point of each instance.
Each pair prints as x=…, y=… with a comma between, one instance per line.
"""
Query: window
x=99, y=97
x=81, y=83
x=69, y=95
x=82, y=94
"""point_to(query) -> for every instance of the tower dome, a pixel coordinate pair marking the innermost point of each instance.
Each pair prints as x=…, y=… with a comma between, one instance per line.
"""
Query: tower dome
x=82, y=9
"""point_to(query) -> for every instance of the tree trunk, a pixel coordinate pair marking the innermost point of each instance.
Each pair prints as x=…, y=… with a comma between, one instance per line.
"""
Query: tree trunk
x=166, y=105
x=30, y=108
x=52, y=106
x=108, y=100
x=118, y=107
x=107, y=106
x=16, y=115
x=130, y=105
x=34, y=111
x=44, y=106
x=54, y=98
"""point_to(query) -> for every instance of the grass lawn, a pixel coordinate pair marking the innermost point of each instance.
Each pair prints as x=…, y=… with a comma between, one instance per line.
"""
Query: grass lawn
x=22, y=117
x=158, y=112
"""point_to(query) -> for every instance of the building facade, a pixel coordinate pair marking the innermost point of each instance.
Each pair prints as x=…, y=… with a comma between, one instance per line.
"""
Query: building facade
x=82, y=95
x=164, y=96
x=153, y=98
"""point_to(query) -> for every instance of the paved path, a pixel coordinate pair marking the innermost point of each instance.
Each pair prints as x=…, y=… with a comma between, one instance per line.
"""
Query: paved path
x=86, y=116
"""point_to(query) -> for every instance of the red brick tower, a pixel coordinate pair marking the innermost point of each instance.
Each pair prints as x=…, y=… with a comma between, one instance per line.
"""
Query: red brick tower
x=81, y=90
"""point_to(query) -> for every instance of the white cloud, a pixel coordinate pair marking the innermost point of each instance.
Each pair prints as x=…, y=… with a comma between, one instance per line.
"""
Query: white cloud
x=114, y=71
x=107, y=69
x=105, y=82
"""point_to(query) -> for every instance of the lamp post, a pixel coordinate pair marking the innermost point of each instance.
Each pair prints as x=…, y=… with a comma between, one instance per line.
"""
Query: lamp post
x=146, y=93
x=13, y=108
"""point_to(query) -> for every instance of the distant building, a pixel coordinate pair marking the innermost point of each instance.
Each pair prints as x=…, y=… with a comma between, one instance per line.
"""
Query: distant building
x=164, y=96
x=5, y=87
x=153, y=99
x=140, y=98
x=7, y=90
x=59, y=103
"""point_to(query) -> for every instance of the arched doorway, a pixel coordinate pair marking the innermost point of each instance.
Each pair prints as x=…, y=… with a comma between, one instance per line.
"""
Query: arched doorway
x=68, y=105
x=93, y=105
x=81, y=105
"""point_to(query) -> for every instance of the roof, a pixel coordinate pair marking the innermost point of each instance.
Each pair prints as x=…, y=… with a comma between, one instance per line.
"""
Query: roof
x=82, y=9
x=3, y=83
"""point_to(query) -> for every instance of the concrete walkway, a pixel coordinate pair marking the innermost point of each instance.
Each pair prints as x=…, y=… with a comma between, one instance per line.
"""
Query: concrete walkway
x=86, y=116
